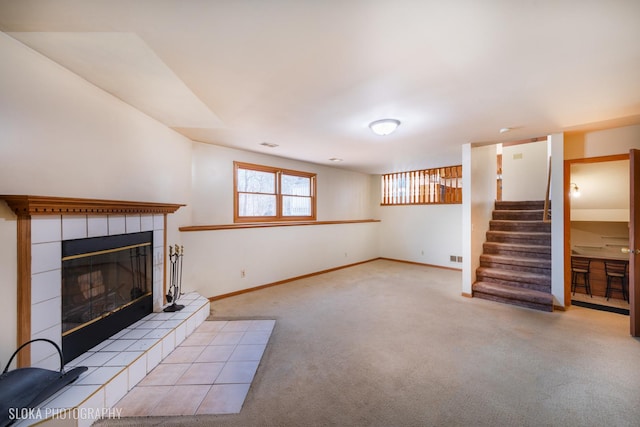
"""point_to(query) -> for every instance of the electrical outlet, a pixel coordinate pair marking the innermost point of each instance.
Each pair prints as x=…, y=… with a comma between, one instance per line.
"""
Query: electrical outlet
x=452, y=258
x=243, y=274
x=459, y=259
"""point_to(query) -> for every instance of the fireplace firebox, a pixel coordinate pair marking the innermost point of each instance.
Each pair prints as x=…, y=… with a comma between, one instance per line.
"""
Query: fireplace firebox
x=107, y=285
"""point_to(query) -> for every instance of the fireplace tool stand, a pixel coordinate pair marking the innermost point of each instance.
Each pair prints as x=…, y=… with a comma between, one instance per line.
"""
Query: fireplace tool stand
x=25, y=388
x=175, y=276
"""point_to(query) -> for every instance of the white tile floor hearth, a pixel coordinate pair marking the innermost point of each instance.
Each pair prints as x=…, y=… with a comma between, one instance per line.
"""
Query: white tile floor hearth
x=209, y=373
x=138, y=371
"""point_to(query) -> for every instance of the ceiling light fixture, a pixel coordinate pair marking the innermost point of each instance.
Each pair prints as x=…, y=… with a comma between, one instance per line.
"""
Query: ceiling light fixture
x=505, y=130
x=335, y=159
x=384, y=126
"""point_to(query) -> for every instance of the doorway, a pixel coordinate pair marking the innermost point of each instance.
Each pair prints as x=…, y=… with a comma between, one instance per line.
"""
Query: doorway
x=597, y=229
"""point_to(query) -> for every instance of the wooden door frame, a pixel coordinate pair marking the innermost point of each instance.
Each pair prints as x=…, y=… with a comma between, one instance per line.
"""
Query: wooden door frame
x=567, y=214
x=634, y=282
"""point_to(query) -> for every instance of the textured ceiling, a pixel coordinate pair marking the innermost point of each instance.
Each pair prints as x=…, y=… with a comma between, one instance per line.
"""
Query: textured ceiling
x=310, y=75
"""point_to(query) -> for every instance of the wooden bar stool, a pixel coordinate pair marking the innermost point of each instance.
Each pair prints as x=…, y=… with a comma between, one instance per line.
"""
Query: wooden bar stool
x=580, y=267
x=616, y=272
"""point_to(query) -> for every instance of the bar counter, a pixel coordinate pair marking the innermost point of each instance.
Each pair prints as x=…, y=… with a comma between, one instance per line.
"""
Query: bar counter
x=597, y=275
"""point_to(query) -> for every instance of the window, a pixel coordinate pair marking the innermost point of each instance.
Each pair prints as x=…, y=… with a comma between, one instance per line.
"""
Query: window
x=264, y=193
x=428, y=186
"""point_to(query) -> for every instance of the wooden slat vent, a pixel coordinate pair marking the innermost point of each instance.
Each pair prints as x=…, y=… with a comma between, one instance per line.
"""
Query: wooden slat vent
x=428, y=186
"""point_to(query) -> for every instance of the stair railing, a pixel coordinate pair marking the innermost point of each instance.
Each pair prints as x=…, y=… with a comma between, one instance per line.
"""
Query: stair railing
x=546, y=215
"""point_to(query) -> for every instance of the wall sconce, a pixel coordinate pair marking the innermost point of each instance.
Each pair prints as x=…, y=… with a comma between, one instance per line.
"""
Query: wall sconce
x=574, y=191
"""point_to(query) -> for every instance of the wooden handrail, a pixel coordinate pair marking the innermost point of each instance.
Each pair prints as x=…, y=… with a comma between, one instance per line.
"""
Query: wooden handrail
x=545, y=213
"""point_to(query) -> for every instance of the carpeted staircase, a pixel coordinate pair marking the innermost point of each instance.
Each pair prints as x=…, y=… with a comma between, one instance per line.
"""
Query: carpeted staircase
x=515, y=266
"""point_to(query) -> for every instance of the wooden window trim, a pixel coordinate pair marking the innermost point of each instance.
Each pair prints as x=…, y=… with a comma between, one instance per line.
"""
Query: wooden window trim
x=189, y=228
x=278, y=194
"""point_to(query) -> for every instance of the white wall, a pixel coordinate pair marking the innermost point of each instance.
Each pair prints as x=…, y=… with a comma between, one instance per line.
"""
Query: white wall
x=556, y=142
x=427, y=234
x=605, y=142
x=524, y=171
x=604, y=191
x=61, y=136
x=479, y=189
x=214, y=259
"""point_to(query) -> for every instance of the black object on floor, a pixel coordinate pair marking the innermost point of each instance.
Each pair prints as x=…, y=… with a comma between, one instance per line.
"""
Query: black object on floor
x=28, y=387
x=600, y=307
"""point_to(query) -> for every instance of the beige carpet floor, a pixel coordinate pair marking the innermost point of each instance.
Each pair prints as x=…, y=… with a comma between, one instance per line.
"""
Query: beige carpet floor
x=394, y=344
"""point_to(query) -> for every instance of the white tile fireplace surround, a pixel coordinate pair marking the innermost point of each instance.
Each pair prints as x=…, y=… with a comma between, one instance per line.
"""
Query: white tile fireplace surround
x=43, y=224
x=47, y=234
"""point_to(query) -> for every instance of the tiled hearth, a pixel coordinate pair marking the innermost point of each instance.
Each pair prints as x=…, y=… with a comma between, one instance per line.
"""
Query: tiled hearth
x=117, y=365
x=209, y=373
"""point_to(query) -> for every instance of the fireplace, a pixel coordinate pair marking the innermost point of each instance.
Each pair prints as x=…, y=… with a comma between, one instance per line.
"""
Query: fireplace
x=44, y=225
x=106, y=286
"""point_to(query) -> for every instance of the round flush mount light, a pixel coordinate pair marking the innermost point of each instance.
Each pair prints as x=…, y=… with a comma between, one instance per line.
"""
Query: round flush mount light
x=505, y=130
x=384, y=126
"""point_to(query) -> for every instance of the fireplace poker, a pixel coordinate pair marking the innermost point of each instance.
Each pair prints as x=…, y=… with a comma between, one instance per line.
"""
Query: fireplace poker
x=172, y=275
x=180, y=274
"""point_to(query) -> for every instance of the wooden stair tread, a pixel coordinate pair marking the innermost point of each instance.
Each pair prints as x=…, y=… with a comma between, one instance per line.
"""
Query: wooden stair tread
x=513, y=292
x=508, y=249
x=518, y=276
x=513, y=260
x=519, y=205
x=526, y=221
x=520, y=226
x=520, y=210
x=520, y=247
x=521, y=237
x=524, y=214
x=532, y=234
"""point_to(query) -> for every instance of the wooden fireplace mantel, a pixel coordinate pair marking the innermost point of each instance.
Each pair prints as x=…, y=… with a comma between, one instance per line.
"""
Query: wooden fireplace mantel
x=45, y=205
x=25, y=207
